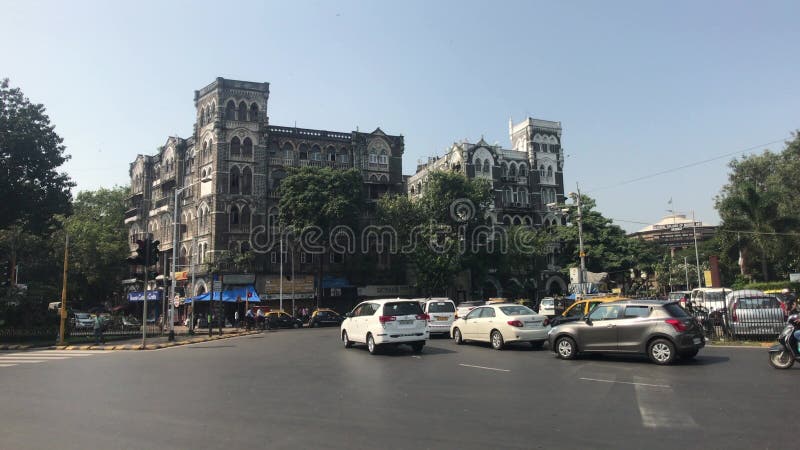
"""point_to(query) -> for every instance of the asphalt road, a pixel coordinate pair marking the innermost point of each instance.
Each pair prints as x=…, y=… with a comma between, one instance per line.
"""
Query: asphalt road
x=301, y=389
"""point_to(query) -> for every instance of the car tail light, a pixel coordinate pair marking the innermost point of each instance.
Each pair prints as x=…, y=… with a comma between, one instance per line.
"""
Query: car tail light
x=384, y=319
x=423, y=316
x=546, y=322
x=515, y=323
x=677, y=324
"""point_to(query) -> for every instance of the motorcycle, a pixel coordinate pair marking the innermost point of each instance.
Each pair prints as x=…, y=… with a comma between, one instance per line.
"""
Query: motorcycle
x=785, y=353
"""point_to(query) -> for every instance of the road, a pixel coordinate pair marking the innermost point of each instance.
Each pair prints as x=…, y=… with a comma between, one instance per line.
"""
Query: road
x=301, y=389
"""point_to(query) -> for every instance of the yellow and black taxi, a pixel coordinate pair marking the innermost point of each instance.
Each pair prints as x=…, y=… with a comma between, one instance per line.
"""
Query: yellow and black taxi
x=581, y=308
x=325, y=317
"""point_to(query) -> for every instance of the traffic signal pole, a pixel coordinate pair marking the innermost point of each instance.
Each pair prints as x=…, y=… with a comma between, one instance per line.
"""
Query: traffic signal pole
x=144, y=301
x=64, y=295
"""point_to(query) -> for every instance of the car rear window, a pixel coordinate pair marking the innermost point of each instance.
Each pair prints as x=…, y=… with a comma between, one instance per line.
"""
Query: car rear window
x=519, y=310
x=401, y=309
x=547, y=302
x=675, y=310
x=758, y=303
x=439, y=307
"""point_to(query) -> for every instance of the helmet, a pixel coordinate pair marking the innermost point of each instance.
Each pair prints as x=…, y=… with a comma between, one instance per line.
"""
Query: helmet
x=794, y=319
x=784, y=291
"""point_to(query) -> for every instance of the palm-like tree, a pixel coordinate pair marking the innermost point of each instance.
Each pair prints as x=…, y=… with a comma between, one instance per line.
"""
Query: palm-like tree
x=756, y=213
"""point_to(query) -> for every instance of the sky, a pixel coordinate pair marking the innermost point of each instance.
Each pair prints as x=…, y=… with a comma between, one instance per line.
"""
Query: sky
x=655, y=98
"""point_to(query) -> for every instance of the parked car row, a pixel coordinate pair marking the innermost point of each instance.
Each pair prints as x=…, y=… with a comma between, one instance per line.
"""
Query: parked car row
x=661, y=330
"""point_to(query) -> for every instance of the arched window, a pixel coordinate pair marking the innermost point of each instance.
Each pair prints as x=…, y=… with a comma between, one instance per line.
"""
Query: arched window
x=247, y=181
x=486, y=168
x=373, y=156
x=523, y=196
x=478, y=165
x=288, y=151
x=234, y=218
x=247, y=148
x=509, y=195
x=549, y=171
x=303, y=151
x=517, y=220
x=342, y=155
x=236, y=147
x=523, y=170
x=230, y=110
x=202, y=118
x=316, y=153
x=234, y=180
x=244, y=247
x=242, y=111
x=541, y=171
x=253, y=112
x=245, y=218
x=512, y=171
x=504, y=169
x=331, y=153
x=384, y=157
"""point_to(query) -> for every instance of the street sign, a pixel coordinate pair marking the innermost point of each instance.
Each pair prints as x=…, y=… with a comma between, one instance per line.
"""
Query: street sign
x=217, y=286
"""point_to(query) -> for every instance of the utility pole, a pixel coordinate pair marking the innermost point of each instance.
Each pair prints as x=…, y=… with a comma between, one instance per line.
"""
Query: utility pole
x=280, y=276
x=144, y=300
x=686, y=269
x=582, y=274
x=64, y=294
x=696, y=253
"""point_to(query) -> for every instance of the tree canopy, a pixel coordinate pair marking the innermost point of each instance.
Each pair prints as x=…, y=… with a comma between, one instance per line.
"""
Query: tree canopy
x=32, y=190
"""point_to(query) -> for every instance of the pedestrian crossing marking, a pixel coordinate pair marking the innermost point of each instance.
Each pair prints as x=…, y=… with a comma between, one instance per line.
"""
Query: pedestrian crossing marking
x=11, y=359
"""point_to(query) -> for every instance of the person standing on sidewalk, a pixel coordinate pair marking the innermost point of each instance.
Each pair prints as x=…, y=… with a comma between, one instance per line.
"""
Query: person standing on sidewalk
x=236, y=318
x=98, y=330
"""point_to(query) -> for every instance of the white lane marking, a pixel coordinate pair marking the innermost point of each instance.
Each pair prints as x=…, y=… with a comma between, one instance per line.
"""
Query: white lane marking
x=415, y=356
x=625, y=382
x=485, y=368
x=47, y=357
x=18, y=361
x=7, y=365
x=661, y=409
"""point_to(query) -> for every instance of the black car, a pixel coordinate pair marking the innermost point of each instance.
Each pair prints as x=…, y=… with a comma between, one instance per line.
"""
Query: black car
x=279, y=319
x=325, y=317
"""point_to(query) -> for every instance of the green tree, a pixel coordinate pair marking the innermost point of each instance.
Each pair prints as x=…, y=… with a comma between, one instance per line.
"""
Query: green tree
x=322, y=199
x=32, y=191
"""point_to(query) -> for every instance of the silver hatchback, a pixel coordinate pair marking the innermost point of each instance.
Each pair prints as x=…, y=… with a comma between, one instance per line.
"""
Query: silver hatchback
x=661, y=330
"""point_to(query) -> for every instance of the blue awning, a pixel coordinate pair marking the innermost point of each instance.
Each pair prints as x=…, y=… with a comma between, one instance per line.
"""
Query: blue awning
x=230, y=295
x=334, y=282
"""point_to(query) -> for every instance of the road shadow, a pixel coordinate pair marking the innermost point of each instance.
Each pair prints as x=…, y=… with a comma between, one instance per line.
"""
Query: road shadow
x=406, y=351
x=510, y=347
x=700, y=360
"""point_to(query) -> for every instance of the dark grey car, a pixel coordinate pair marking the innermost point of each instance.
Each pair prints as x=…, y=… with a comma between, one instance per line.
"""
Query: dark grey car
x=659, y=329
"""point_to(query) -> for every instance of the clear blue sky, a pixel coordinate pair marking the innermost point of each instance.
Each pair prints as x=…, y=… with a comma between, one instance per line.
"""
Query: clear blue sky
x=638, y=86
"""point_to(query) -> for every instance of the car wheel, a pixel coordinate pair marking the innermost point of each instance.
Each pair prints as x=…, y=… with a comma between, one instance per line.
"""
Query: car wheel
x=537, y=344
x=661, y=352
x=345, y=339
x=296, y=325
x=497, y=340
x=690, y=354
x=565, y=348
x=371, y=345
x=315, y=324
x=457, y=337
x=417, y=346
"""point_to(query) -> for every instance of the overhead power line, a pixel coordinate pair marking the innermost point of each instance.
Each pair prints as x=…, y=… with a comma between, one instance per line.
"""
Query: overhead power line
x=686, y=166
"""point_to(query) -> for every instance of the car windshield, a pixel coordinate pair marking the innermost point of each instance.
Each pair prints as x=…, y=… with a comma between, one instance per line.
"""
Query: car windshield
x=440, y=307
x=401, y=309
x=517, y=310
x=469, y=304
x=547, y=302
x=757, y=303
x=82, y=316
x=675, y=310
x=715, y=297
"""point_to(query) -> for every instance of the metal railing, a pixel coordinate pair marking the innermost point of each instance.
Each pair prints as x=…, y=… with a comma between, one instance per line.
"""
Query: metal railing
x=752, y=324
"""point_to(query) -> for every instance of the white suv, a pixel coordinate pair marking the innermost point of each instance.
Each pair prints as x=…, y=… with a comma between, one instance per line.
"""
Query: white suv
x=386, y=322
x=441, y=311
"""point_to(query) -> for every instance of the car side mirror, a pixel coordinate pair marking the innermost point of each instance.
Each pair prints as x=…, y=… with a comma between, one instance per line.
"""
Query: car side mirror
x=588, y=320
x=348, y=314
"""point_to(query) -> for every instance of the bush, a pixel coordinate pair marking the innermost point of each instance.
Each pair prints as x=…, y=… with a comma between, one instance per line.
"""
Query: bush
x=771, y=285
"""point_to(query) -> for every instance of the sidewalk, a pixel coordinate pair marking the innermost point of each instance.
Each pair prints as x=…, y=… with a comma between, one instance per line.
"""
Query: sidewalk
x=153, y=343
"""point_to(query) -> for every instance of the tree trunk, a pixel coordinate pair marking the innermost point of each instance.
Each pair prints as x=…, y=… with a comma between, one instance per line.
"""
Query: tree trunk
x=764, y=267
x=320, y=273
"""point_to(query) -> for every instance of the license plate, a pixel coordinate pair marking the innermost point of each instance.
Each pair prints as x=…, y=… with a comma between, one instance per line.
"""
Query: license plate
x=405, y=322
x=441, y=317
x=697, y=341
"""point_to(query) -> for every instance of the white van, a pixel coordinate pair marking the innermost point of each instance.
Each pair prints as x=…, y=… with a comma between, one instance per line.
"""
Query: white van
x=547, y=307
x=441, y=314
x=385, y=322
x=712, y=299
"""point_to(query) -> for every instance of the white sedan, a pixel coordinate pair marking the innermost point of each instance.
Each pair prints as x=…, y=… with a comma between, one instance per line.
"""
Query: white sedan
x=500, y=324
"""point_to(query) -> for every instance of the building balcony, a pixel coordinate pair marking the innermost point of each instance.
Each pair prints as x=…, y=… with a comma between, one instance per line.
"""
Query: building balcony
x=378, y=166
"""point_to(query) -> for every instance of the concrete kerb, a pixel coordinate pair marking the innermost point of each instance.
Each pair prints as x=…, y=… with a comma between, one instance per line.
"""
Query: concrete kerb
x=193, y=340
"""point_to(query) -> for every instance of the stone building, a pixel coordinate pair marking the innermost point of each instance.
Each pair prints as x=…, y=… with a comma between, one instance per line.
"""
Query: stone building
x=525, y=179
x=230, y=170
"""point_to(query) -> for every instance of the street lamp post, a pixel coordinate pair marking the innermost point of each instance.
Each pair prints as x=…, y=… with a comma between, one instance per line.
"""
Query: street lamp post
x=171, y=336
x=576, y=197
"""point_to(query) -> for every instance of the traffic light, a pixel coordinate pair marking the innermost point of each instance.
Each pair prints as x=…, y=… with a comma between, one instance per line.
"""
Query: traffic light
x=153, y=253
x=139, y=259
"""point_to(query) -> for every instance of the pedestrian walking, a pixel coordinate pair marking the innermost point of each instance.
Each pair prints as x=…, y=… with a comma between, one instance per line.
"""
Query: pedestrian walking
x=236, y=319
x=98, y=330
x=260, y=318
